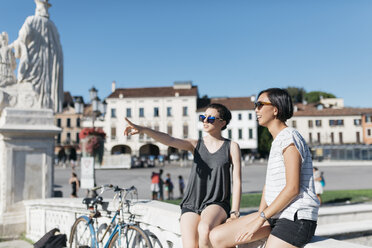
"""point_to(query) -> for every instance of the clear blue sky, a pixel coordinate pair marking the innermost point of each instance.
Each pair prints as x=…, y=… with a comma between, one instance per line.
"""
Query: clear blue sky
x=227, y=48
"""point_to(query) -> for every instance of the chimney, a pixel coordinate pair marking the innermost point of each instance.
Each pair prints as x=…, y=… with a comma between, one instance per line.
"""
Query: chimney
x=113, y=86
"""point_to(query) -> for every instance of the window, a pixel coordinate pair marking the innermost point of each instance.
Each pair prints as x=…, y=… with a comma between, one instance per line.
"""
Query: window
x=156, y=112
x=357, y=122
x=68, y=138
x=250, y=116
x=68, y=122
x=113, y=133
x=58, y=122
x=336, y=122
x=368, y=118
x=318, y=123
x=310, y=123
x=332, y=138
x=239, y=117
x=169, y=130
x=250, y=133
x=169, y=111
x=113, y=113
x=340, y=138
x=358, y=137
x=59, y=139
x=310, y=138
x=156, y=127
x=240, y=131
x=229, y=133
x=77, y=138
x=185, y=131
x=78, y=122
x=141, y=112
x=369, y=132
x=318, y=137
x=129, y=112
x=184, y=111
x=294, y=124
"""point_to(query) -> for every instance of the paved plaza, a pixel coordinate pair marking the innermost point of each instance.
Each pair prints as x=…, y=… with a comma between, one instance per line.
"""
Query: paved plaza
x=355, y=176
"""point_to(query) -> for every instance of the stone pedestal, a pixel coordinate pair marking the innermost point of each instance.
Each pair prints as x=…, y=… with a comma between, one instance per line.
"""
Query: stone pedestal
x=26, y=163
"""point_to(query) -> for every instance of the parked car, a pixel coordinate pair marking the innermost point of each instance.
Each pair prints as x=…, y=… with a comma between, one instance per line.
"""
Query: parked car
x=174, y=157
x=136, y=162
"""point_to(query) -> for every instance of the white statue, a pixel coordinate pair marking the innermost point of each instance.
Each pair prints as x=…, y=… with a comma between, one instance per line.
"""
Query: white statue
x=7, y=62
x=40, y=56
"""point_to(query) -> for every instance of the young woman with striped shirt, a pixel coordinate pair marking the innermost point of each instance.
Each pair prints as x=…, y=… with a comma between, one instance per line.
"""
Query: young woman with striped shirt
x=288, y=210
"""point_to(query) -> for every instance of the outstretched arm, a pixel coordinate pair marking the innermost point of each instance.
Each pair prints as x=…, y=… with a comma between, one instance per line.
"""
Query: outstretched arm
x=161, y=137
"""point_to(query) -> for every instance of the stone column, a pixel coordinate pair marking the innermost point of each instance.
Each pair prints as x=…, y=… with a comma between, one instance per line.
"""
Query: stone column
x=26, y=163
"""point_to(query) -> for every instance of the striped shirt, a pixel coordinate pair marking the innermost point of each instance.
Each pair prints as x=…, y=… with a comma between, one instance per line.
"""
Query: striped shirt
x=306, y=203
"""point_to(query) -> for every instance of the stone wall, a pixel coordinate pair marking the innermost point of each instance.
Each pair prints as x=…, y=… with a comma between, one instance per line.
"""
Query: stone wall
x=160, y=220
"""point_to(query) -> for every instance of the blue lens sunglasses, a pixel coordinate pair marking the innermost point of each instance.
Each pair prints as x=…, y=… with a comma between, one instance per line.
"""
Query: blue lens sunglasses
x=210, y=119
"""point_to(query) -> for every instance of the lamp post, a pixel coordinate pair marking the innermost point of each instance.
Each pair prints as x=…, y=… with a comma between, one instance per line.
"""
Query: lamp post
x=98, y=108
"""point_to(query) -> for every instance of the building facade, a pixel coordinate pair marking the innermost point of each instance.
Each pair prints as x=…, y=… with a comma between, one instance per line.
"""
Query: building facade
x=167, y=109
x=332, y=126
x=243, y=125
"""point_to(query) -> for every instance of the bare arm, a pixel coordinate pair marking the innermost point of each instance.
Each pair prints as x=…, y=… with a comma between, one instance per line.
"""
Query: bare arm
x=263, y=204
x=292, y=162
x=236, y=177
x=161, y=137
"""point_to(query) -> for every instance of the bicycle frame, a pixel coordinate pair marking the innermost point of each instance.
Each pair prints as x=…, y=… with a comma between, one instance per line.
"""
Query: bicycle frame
x=120, y=225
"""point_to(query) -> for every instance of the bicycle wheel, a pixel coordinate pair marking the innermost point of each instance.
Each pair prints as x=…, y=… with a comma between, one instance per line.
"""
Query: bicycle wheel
x=131, y=237
x=81, y=234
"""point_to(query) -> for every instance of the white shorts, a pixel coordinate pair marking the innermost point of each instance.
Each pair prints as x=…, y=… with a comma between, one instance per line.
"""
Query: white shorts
x=155, y=187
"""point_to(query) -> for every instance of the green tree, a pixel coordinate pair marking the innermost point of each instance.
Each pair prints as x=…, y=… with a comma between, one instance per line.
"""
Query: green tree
x=314, y=96
x=264, y=141
x=296, y=93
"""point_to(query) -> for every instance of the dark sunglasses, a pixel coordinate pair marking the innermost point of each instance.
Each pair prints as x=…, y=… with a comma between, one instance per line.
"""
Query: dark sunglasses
x=259, y=104
x=210, y=119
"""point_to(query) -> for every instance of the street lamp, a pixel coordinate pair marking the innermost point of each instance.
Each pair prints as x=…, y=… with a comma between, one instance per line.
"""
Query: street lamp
x=98, y=107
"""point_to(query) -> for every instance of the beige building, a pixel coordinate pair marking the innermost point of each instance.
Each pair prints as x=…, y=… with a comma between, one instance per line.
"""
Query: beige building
x=69, y=120
x=320, y=125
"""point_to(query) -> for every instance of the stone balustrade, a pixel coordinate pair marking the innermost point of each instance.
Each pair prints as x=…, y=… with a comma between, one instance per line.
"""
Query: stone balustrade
x=160, y=220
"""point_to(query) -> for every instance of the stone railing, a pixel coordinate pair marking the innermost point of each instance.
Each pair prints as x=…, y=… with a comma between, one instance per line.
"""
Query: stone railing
x=160, y=220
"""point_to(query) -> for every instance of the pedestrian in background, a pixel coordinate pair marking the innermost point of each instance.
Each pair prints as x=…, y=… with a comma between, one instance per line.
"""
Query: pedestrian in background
x=154, y=185
x=181, y=185
x=169, y=187
x=161, y=186
x=318, y=183
x=75, y=184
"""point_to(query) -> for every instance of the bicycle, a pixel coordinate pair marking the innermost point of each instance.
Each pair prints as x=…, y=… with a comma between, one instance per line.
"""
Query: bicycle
x=85, y=232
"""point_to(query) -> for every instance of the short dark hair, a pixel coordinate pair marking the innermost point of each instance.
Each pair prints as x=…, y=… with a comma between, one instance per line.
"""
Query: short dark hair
x=224, y=112
x=280, y=99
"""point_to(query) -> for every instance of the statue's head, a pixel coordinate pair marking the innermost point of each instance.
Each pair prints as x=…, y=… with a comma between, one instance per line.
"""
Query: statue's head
x=4, y=39
x=42, y=7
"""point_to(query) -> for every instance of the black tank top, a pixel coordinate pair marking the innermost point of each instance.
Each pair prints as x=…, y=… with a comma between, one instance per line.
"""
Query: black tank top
x=209, y=180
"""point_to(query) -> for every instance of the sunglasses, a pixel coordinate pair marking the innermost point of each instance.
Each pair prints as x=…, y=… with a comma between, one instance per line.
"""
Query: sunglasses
x=259, y=104
x=210, y=119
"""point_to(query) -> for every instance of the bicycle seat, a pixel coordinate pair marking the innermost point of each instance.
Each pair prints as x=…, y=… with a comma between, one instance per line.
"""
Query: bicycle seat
x=90, y=202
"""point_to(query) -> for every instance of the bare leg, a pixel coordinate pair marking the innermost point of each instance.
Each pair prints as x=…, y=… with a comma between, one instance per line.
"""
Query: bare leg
x=189, y=227
x=211, y=216
x=274, y=242
x=225, y=235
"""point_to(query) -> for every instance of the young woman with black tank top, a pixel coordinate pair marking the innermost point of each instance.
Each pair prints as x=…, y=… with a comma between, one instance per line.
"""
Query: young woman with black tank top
x=206, y=202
